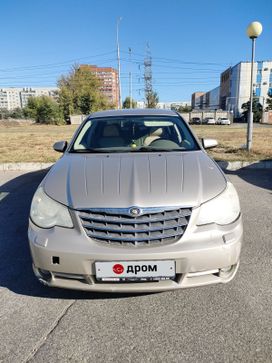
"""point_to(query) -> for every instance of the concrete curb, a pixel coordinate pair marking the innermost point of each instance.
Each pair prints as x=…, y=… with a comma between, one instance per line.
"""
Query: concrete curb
x=225, y=165
x=236, y=165
x=24, y=166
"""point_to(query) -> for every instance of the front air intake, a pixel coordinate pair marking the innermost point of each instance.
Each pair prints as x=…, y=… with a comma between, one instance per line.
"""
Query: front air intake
x=152, y=226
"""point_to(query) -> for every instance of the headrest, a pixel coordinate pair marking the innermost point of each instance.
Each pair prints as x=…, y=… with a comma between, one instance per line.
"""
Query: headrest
x=111, y=131
x=157, y=132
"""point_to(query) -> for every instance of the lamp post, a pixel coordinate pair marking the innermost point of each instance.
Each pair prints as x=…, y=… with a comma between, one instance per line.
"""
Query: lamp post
x=253, y=31
x=119, y=65
x=130, y=80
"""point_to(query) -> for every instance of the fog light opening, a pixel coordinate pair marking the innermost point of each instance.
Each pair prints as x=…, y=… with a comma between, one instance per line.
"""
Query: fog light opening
x=225, y=271
x=45, y=275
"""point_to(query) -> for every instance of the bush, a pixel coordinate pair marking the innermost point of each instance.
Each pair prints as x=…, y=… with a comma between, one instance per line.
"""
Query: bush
x=44, y=110
x=17, y=113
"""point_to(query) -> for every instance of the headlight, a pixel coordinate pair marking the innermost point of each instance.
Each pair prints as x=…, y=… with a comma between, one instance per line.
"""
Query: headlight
x=223, y=209
x=46, y=212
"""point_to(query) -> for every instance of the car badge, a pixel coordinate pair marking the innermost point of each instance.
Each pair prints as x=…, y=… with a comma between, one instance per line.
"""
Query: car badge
x=135, y=212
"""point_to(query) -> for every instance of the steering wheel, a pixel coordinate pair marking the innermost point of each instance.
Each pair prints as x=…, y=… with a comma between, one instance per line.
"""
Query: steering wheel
x=164, y=143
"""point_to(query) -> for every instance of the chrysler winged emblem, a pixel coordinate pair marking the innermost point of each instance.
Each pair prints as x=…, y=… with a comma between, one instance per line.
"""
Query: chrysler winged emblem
x=135, y=211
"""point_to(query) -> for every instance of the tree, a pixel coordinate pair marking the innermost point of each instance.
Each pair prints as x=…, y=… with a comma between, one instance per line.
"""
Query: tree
x=185, y=108
x=269, y=101
x=32, y=107
x=257, y=109
x=152, y=99
x=17, y=113
x=79, y=93
x=181, y=109
x=4, y=113
x=44, y=110
x=126, y=103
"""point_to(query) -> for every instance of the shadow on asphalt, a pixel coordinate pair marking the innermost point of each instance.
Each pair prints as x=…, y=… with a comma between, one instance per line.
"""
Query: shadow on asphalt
x=261, y=178
x=16, y=265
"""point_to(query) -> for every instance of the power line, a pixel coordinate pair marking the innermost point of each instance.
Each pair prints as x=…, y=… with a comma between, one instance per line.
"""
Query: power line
x=171, y=60
x=56, y=64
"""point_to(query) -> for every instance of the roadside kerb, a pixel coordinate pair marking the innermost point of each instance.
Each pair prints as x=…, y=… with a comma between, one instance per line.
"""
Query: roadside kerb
x=24, y=166
x=226, y=165
x=236, y=165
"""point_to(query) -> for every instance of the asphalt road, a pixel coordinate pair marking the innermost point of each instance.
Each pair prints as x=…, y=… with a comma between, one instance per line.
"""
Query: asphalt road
x=222, y=323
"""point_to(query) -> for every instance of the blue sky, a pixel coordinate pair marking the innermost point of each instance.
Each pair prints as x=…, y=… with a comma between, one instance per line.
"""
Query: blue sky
x=191, y=42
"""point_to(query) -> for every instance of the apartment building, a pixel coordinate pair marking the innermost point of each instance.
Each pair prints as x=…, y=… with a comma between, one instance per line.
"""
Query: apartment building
x=11, y=98
x=239, y=85
x=225, y=85
x=212, y=99
x=36, y=92
x=109, y=81
x=198, y=100
x=234, y=89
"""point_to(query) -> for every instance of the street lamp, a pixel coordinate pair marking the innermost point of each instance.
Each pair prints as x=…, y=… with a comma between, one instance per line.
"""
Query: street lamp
x=119, y=65
x=253, y=31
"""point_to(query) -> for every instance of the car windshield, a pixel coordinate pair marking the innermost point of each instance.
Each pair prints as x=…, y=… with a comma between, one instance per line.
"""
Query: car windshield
x=134, y=133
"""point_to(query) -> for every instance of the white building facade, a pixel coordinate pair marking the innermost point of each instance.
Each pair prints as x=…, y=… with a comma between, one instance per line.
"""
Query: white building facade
x=212, y=99
x=239, y=85
x=12, y=98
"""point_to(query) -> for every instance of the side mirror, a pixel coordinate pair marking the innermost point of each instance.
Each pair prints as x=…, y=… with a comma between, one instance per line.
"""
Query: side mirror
x=60, y=146
x=209, y=143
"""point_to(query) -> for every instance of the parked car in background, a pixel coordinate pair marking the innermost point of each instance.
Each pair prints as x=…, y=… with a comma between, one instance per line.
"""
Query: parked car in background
x=195, y=121
x=223, y=121
x=135, y=204
x=209, y=121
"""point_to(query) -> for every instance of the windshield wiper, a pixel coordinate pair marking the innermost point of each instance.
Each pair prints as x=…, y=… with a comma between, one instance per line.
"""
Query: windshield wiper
x=141, y=149
x=150, y=148
x=92, y=150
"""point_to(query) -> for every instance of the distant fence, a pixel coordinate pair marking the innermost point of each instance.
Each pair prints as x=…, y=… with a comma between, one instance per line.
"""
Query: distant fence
x=267, y=118
x=203, y=114
x=76, y=119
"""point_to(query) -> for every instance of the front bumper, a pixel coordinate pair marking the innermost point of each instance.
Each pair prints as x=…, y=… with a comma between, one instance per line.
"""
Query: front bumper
x=205, y=255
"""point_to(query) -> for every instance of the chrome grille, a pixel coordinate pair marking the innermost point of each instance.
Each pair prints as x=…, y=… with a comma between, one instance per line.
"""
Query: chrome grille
x=153, y=226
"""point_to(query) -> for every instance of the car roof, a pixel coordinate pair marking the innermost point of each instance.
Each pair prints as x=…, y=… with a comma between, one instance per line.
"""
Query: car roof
x=134, y=112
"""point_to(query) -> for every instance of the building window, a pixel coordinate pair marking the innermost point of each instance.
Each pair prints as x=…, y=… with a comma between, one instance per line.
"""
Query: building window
x=258, y=92
x=260, y=65
x=259, y=76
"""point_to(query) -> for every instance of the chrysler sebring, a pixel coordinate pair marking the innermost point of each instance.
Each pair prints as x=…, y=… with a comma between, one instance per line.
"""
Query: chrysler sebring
x=135, y=204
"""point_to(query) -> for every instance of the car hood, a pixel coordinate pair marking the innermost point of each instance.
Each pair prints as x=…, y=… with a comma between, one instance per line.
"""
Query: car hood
x=142, y=179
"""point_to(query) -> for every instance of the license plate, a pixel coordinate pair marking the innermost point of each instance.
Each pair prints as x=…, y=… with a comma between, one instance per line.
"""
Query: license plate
x=135, y=270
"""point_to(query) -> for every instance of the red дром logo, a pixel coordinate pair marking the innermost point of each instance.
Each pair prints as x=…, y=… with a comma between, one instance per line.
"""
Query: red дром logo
x=118, y=269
